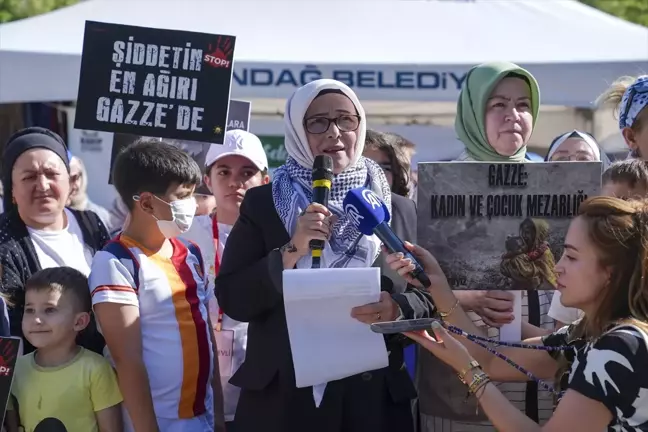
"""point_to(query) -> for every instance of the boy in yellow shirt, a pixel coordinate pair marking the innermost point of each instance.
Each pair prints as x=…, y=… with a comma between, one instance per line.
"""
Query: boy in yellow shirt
x=61, y=382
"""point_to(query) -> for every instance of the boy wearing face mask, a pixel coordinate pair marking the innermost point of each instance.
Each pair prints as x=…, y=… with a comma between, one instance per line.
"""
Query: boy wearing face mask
x=231, y=170
x=150, y=296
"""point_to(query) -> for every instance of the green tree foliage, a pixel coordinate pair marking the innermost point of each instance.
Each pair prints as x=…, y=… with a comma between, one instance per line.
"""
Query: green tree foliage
x=11, y=10
x=635, y=11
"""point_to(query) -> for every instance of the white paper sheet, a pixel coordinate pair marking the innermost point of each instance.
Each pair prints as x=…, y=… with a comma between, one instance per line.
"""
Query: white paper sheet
x=512, y=332
x=327, y=344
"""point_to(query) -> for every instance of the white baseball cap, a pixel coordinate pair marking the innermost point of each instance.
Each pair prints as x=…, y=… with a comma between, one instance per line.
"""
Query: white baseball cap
x=240, y=143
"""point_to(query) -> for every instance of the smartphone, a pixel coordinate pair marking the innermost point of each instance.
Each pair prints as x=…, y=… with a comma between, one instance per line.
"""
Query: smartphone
x=391, y=327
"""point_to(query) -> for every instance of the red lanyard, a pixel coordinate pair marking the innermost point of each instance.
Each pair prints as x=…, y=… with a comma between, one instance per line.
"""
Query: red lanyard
x=219, y=322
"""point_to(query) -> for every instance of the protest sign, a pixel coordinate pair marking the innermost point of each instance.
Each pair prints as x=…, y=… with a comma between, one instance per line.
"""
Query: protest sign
x=8, y=355
x=154, y=82
x=238, y=118
x=498, y=225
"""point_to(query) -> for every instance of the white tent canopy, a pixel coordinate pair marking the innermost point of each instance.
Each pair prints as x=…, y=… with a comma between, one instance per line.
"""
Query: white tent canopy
x=391, y=50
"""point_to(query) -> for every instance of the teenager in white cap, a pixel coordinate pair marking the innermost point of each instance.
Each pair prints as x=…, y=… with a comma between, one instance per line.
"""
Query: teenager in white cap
x=230, y=170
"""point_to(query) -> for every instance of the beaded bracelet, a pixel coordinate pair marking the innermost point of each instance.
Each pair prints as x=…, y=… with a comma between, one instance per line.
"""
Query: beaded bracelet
x=471, y=366
x=478, y=379
x=483, y=389
x=475, y=338
x=484, y=343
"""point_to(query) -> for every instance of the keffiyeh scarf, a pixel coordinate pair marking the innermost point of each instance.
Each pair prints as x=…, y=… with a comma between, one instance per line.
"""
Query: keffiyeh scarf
x=292, y=193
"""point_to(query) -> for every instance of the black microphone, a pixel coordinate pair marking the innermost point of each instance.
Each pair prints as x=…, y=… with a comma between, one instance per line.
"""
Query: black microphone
x=370, y=216
x=322, y=179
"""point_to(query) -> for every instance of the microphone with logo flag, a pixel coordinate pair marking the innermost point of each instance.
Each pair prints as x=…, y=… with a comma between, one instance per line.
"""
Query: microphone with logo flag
x=370, y=216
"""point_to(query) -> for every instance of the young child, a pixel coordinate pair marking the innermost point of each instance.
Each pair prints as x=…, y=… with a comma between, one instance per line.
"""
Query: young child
x=627, y=179
x=231, y=169
x=61, y=380
x=150, y=297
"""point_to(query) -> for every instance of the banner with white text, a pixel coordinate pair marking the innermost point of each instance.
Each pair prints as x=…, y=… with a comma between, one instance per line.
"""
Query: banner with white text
x=154, y=82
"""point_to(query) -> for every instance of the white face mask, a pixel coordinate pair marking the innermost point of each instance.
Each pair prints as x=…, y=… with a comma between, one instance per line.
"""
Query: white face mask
x=182, y=213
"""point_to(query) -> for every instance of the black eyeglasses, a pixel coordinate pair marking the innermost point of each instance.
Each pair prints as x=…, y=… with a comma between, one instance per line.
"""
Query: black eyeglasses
x=345, y=123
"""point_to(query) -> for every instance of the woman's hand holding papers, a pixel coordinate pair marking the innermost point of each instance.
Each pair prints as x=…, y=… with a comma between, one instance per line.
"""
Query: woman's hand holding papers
x=386, y=309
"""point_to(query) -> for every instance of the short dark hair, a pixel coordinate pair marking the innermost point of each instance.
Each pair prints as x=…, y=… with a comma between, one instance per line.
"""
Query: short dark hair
x=152, y=165
x=633, y=172
x=67, y=281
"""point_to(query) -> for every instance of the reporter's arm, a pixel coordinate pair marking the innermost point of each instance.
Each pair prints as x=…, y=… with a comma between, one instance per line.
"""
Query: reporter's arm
x=530, y=331
x=575, y=413
x=538, y=362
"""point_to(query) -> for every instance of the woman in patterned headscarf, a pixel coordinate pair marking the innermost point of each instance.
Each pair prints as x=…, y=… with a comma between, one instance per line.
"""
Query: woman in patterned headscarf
x=629, y=97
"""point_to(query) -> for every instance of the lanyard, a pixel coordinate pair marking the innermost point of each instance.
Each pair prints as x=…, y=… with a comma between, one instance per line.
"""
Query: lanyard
x=215, y=235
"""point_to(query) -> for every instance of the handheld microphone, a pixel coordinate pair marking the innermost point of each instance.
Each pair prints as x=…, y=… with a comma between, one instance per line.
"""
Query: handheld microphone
x=370, y=216
x=322, y=179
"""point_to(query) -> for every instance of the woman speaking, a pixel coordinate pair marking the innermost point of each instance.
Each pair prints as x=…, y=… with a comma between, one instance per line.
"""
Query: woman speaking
x=273, y=231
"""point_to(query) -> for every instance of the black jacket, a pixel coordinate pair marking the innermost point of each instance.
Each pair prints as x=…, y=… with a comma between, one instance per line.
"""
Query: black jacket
x=248, y=289
x=19, y=261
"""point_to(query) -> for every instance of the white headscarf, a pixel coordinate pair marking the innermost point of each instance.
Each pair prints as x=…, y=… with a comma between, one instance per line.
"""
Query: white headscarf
x=591, y=142
x=295, y=141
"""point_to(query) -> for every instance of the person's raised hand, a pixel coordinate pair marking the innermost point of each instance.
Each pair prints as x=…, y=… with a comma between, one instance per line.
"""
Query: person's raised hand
x=494, y=307
x=313, y=224
x=404, y=266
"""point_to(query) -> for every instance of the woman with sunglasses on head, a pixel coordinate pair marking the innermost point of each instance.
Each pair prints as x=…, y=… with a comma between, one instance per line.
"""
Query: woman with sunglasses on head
x=629, y=97
x=276, y=223
x=599, y=362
